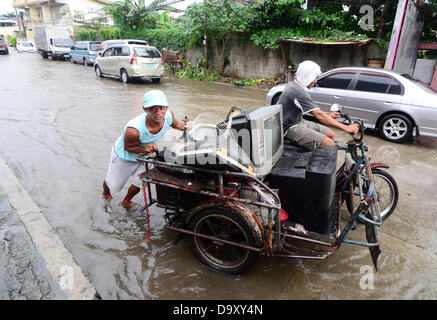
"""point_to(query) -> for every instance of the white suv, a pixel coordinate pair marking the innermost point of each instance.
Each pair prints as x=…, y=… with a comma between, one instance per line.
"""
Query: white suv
x=127, y=61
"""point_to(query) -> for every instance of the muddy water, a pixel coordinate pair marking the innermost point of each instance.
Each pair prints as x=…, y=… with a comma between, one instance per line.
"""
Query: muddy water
x=57, y=125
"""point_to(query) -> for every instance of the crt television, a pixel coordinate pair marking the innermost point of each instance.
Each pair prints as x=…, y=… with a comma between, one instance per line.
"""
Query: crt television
x=259, y=133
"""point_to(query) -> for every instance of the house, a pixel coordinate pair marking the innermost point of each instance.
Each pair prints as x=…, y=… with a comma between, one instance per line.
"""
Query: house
x=63, y=13
x=8, y=27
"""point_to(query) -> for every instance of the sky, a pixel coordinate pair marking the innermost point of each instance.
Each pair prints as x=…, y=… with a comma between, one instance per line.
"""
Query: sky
x=6, y=5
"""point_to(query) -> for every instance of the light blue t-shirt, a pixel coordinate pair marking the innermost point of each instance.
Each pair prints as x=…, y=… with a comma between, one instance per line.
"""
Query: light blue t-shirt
x=146, y=137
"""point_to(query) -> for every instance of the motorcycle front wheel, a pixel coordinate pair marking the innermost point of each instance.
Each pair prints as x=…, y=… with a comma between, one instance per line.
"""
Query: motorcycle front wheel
x=387, y=194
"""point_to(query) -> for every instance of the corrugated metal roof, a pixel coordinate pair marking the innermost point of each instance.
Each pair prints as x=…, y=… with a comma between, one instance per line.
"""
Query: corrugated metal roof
x=323, y=41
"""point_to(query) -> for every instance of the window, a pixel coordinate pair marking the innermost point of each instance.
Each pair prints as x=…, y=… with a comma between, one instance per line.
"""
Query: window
x=78, y=15
x=395, y=87
x=108, y=53
x=94, y=46
x=147, y=52
x=336, y=81
x=125, y=51
x=82, y=46
x=373, y=83
x=117, y=51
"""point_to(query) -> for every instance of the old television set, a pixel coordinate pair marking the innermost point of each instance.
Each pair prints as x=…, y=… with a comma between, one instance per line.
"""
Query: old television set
x=259, y=133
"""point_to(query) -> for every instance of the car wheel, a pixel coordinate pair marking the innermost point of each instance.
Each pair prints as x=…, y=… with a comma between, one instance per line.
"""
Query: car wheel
x=156, y=80
x=98, y=72
x=124, y=76
x=396, y=128
x=276, y=98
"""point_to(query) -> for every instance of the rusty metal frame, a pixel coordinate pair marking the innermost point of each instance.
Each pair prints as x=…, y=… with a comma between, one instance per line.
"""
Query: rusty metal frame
x=279, y=236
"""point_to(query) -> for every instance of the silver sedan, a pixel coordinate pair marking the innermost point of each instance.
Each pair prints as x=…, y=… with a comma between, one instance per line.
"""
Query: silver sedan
x=393, y=103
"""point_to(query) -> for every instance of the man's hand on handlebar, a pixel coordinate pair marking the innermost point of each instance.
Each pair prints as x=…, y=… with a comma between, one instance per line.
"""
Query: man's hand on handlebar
x=352, y=129
x=150, y=148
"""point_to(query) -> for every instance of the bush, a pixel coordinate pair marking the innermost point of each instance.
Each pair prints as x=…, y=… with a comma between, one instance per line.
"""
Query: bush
x=86, y=35
x=12, y=40
x=171, y=39
x=197, y=72
x=109, y=34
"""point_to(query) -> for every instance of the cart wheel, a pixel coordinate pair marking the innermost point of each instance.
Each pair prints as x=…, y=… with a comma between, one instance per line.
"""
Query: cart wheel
x=224, y=223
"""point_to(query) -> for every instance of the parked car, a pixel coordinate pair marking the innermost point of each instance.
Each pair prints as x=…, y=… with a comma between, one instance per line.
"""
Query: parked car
x=3, y=46
x=109, y=43
x=84, y=52
x=393, y=103
x=130, y=61
x=25, y=46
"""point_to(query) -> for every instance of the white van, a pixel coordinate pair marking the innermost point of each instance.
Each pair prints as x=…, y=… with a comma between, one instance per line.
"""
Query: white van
x=109, y=43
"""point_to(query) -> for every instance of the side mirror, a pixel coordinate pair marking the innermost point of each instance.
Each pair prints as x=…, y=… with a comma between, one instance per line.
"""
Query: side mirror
x=336, y=107
x=51, y=41
x=72, y=47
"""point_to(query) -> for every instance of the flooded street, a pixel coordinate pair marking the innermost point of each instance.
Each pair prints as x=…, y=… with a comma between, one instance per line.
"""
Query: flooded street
x=58, y=122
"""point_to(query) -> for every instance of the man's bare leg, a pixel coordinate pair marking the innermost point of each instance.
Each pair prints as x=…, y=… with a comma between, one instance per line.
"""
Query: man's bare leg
x=106, y=192
x=131, y=192
x=330, y=134
x=328, y=142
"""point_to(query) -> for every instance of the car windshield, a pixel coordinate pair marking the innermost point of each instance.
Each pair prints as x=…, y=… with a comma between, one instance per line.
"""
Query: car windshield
x=27, y=44
x=147, y=52
x=94, y=46
x=421, y=84
x=61, y=42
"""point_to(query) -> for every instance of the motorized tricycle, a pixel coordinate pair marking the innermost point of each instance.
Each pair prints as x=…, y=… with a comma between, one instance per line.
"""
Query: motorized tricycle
x=238, y=190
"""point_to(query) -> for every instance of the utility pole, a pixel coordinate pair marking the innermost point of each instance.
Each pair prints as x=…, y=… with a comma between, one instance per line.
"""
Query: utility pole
x=18, y=21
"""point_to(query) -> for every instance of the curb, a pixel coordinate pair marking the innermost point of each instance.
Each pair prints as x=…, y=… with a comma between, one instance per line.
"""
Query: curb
x=58, y=260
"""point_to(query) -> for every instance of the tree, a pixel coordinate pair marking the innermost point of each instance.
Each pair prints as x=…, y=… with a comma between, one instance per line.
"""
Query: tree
x=130, y=15
x=218, y=20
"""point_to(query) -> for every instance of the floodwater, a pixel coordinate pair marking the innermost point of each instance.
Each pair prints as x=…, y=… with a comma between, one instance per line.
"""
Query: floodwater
x=57, y=125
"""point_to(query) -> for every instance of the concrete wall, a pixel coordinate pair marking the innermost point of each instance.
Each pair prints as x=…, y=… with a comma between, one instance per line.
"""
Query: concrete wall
x=251, y=61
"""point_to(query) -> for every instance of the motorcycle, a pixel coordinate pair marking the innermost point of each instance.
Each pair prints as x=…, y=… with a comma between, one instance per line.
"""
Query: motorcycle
x=232, y=215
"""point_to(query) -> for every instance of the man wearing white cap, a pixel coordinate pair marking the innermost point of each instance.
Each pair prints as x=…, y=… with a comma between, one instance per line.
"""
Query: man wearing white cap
x=296, y=102
x=140, y=135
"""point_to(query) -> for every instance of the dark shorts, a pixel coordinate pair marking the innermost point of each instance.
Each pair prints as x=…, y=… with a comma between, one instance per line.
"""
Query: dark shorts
x=307, y=134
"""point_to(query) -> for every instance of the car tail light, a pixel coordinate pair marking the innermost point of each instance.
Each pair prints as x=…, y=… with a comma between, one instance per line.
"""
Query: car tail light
x=162, y=59
x=91, y=54
x=134, y=59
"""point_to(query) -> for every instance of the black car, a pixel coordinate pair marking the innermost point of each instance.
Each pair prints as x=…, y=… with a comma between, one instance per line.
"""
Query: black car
x=3, y=46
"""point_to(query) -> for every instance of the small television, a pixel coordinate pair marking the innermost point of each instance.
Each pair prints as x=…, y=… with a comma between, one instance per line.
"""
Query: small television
x=259, y=133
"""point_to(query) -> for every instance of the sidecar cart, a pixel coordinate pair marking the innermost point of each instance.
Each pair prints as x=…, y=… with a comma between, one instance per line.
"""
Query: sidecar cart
x=235, y=205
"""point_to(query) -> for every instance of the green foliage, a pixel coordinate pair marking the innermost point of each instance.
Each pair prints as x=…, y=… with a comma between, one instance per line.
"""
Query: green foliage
x=109, y=34
x=172, y=39
x=219, y=20
x=128, y=15
x=198, y=72
x=12, y=40
x=86, y=35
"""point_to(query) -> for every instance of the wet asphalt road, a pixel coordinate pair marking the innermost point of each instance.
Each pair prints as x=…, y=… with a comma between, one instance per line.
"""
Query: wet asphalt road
x=57, y=125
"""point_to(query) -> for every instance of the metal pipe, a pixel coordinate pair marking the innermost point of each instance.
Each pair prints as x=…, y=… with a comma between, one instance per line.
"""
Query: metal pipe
x=207, y=193
x=214, y=239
